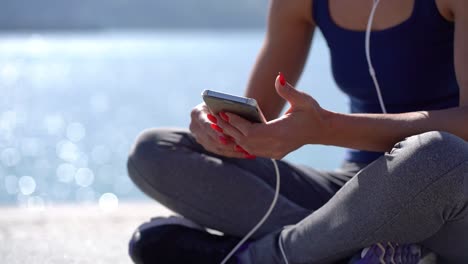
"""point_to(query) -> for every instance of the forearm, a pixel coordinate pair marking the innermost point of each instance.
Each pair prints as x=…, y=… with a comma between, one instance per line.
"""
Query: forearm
x=260, y=85
x=285, y=49
x=380, y=132
x=265, y=70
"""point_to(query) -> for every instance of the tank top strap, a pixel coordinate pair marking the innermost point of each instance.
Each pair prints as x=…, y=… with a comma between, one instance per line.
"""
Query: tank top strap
x=321, y=14
x=424, y=9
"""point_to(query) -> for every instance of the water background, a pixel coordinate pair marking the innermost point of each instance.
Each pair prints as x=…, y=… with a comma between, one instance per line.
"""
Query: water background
x=71, y=104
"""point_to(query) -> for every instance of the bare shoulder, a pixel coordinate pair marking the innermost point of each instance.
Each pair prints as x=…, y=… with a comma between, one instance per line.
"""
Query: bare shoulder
x=297, y=10
x=460, y=7
x=450, y=8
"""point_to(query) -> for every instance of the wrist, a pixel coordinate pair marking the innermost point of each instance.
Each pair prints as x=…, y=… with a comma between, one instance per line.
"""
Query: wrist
x=324, y=132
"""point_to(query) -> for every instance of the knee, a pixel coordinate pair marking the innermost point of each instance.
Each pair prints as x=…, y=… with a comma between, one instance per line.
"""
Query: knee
x=146, y=154
x=145, y=145
x=434, y=146
x=154, y=154
x=429, y=155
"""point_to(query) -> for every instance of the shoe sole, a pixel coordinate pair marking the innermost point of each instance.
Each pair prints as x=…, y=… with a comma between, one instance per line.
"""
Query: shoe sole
x=171, y=220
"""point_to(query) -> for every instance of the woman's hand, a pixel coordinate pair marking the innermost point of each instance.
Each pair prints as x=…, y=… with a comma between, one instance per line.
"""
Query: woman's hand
x=304, y=123
x=205, y=129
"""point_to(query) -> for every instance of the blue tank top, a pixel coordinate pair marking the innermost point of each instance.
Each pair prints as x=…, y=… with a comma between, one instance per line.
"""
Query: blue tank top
x=413, y=61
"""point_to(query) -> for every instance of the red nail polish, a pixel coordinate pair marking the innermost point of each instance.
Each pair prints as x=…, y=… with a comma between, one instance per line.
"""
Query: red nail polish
x=212, y=118
x=224, y=116
x=282, y=80
x=228, y=138
x=250, y=157
x=223, y=140
x=240, y=149
x=217, y=128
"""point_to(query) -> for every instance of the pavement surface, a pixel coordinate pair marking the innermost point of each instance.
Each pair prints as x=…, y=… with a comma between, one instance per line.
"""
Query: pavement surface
x=71, y=233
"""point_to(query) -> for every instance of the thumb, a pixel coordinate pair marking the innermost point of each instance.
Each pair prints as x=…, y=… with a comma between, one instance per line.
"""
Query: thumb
x=289, y=93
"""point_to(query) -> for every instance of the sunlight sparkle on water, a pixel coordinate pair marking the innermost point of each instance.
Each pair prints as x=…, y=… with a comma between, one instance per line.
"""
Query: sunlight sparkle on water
x=84, y=177
x=27, y=185
x=76, y=131
x=67, y=151
x=108, y=202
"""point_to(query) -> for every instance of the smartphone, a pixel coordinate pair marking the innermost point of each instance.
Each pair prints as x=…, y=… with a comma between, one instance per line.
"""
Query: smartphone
x=241, y=106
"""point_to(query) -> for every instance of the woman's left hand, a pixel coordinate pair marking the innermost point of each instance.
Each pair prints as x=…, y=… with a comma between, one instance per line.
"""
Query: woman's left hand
x=303, y=123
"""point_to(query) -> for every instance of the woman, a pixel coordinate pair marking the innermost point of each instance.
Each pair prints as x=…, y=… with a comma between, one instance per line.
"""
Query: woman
x=406, y=177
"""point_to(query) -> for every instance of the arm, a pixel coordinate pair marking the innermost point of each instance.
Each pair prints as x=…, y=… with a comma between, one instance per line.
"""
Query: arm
x=307, y=123
x=378, y=132
x=286, y=46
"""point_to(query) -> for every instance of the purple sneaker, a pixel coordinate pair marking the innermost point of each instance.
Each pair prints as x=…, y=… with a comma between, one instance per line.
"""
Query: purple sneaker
x=390, y=253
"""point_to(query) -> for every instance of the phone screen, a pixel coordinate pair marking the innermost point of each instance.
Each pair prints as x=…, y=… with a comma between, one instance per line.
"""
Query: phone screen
x=242, y=106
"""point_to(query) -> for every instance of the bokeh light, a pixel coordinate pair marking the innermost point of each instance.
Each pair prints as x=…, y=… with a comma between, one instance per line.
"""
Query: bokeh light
x=76, y=132
x=108, y=202
x=27, y=185
x=72, y=105
x=67, y=151
x=84, y=177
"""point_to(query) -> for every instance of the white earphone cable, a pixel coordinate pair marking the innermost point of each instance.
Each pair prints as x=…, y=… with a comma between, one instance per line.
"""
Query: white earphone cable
x=368, y=56
x=260, y=223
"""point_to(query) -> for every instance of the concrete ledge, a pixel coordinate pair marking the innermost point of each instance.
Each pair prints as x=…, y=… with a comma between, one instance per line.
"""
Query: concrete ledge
x=71, y=233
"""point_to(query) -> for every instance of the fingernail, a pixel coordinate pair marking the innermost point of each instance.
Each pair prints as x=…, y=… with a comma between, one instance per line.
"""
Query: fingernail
x=217, y=128
x=212, y=118
x=224, y=116
x=240, y=149
x=223, y=140
x=282, y=80
x=250, y=157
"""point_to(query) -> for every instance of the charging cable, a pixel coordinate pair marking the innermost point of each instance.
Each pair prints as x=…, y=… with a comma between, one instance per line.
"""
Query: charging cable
x=260, y=223
x=275, y=198
x=368, y=56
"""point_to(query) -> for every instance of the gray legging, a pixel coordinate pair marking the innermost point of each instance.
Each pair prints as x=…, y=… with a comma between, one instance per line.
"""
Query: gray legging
x=417, y=193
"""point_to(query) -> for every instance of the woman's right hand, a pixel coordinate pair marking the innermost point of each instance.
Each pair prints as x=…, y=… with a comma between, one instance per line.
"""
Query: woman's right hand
x=205, y=129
